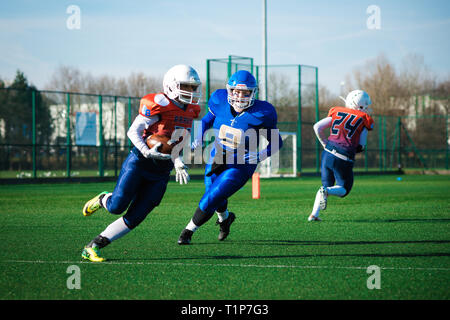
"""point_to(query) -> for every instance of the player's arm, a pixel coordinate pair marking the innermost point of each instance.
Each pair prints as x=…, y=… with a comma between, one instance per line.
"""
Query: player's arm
x=319, y=129
x=275, y=144
x=362, y=141
x=207, y=123
x=136, y=130
x=273, y=137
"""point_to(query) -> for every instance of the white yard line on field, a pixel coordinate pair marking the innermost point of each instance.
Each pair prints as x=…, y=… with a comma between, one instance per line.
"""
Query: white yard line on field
x=219, y=265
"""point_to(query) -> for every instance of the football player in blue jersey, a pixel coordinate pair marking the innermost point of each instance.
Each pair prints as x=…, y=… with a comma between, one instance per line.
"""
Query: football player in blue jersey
x=237, y=120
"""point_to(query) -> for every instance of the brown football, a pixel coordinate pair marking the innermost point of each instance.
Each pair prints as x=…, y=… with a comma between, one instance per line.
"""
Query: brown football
x=166, y=144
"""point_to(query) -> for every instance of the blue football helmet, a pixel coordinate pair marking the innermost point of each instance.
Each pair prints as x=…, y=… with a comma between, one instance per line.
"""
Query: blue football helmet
x=242, y=89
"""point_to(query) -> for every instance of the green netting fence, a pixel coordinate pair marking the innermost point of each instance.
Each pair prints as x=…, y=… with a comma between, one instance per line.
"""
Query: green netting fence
x=48, y=134
x=417, y=142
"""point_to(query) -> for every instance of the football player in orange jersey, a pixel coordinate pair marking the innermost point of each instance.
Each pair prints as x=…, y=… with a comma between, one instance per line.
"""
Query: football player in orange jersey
x=348, y=135
x=145, y=172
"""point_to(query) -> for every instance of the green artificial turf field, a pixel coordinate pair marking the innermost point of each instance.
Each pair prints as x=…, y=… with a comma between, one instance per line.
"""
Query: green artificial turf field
x=272, y=253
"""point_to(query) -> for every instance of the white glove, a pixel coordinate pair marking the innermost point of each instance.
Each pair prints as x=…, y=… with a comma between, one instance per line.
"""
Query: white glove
x=155, y=154
x=181, y=174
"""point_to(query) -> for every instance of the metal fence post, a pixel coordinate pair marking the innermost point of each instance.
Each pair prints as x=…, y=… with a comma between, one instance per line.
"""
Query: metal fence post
x=299, y=122
x=129, y=122
x=257, y=80
x=100, y=150
x=399, y=124
x=115, y=137
x=446, y=142
x=208, y=87
x=317, y=119
x=384, y=144
x=68, y=139
x=33, y=129
x=380, y=142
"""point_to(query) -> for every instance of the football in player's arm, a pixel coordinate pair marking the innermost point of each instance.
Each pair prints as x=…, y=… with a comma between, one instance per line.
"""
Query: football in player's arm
x=237, y=118
x=348, y=126
x=145, y=172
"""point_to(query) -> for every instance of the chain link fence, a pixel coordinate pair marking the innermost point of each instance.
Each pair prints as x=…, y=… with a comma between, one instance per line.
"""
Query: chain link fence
x=50, y=134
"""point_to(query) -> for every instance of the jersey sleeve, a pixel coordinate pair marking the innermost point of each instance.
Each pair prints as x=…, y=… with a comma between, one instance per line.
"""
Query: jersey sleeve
x=149, y=105
x=215, y=100
x=331, y=111
x=368, y=122
x=271, y=117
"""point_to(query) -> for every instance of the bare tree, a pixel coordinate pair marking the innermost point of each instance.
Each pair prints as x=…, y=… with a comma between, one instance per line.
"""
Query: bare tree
x=380, y=80
x=138, y=84
x=66, y=78
x=394, y=92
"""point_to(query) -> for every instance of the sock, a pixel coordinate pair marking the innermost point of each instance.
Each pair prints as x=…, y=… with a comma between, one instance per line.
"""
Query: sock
x=336, y=191
x=116, y=230
x=104, y=199
x=222, y=215
x=316, y=209
x=99, y=242
x=192, y=226
x=201, y=217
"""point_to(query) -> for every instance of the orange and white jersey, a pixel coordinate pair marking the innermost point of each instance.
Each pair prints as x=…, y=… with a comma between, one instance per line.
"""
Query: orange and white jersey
x=170, y=116
x=347, y=125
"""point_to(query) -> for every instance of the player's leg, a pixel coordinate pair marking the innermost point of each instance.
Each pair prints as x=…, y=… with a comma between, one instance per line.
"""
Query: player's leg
x=210, y=177
x=93, y=204
x=215, y=197
x=344, y=179
x=222, y=212
x=339, y=186
x=128, y=185
x=327, y=177
x=117, y=201
x=147, y=198
x=191, y=227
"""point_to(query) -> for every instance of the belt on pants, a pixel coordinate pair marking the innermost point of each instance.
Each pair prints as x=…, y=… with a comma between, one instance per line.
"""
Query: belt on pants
x=339, y=155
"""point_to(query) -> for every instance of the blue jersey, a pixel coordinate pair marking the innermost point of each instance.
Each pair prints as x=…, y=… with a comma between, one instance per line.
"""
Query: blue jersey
x=239, y=134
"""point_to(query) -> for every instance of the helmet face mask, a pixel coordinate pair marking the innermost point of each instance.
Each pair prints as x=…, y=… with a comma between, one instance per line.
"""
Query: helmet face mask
x=358, y=100
x=242, y=90
x=182, y=83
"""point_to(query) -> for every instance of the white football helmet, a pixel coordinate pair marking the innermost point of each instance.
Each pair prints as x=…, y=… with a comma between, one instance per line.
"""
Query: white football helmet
x=182, y=74
x=358, y=100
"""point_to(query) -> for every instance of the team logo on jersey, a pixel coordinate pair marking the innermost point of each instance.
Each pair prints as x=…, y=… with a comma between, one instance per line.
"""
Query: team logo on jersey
x=145, y=111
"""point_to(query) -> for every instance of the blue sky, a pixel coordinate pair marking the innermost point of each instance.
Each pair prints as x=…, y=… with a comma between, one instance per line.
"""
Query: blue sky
x=120, y=37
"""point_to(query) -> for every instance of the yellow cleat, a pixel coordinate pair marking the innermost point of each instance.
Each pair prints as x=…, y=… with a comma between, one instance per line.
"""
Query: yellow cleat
x=93, y=205
x=92, y=254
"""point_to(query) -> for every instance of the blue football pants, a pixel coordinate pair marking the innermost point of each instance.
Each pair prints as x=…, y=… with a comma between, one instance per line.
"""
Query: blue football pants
x=219, y=188
x=139, y=187
x=335, y=170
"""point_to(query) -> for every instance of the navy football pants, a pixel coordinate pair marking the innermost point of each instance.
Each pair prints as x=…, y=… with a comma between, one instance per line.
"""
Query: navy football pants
x=335, y=170
x=137, y=186
x=220, y=188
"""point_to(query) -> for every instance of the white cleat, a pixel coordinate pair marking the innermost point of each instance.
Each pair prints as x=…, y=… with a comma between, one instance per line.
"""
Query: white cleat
x=323, y=198
x=314, y=218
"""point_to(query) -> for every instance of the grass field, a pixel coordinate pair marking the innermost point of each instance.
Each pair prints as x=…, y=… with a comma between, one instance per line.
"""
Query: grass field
x=272, y=253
